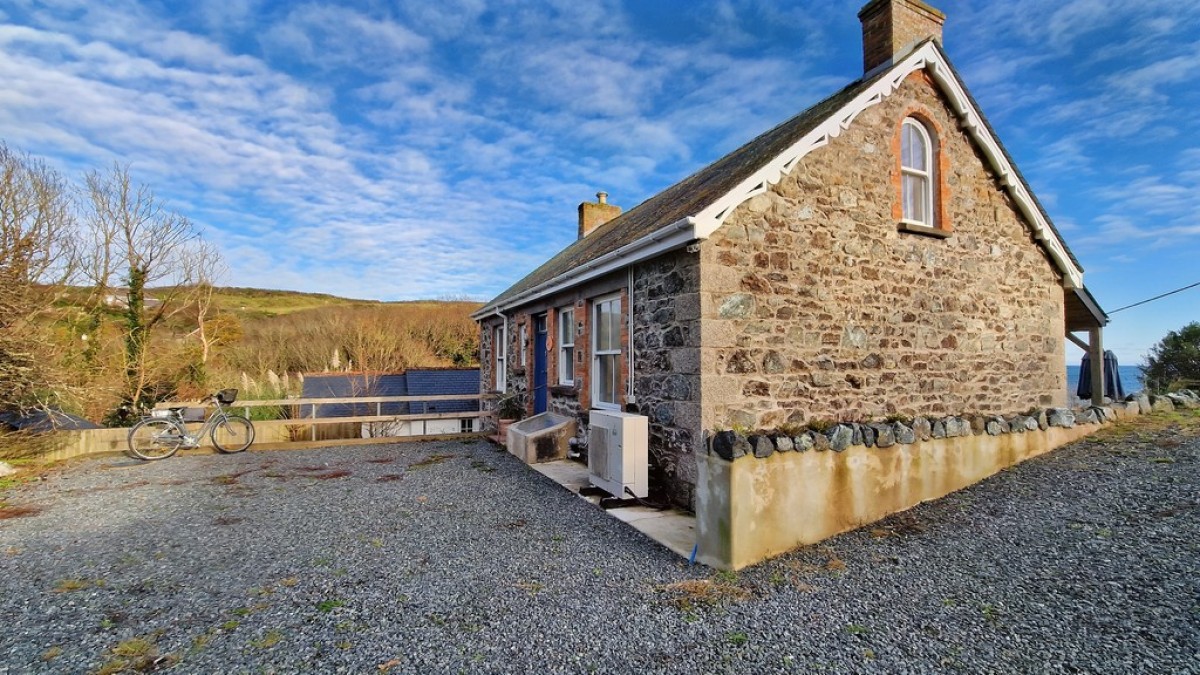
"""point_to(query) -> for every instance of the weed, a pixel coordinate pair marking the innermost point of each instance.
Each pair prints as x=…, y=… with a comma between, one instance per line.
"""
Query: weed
x=778, y=578
x=344, y=644
x=482, y=467
x=431, y=460
x=267, y=641
x=329, y=605
x=689, y=594
x=835, y=564
x=896, y=417
x=52, y=653
x=230, y=625
x=289, y=582
x=1104, y=533
x=376, y=542
x=990, y=612
x=137, y=654
x=241, y=611
x=949, y=602
x=869, y=654
x=737, y=638
x=201, y=641
x=68, y=585
x=107, y=623
x=856, y=629
x=821, y=426
x=725, y=577
x=1156, y=460
x=8, y=511
x=531, y=587
x=790, y=429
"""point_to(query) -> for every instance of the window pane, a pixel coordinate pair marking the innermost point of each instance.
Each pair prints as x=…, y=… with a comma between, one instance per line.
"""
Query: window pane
x=566, y=327
x=602, y=319
x=912, y=150
x=606, y=367
x=566, y=365
x=916, y=198
x=906, y=146
x=614, y=325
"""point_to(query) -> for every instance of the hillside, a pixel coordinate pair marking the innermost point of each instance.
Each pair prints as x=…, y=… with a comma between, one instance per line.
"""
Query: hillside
x=250, y=335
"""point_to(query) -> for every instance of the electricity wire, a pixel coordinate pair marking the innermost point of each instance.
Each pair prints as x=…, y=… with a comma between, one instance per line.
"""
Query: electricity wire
x=1157, y=297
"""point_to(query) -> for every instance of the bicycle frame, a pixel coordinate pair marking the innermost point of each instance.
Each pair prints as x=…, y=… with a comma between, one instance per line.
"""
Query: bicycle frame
x=192, y=440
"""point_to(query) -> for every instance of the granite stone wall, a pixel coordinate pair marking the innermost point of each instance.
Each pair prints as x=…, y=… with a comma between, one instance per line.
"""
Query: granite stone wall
x=666, y=343
x=815, y=306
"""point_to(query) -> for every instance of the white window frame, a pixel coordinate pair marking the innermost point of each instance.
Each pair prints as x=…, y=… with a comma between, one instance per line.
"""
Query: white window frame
x=466, y=425
x=597, y=353
x=928, y=174
x=501, y=357
x=523, y=342
x=566, y=341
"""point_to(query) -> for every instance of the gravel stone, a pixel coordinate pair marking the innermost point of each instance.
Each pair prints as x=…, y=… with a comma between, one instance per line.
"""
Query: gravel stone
x=455, y=557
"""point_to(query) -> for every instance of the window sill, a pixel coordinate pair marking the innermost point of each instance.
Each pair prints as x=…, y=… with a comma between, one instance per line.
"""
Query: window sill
x=926, y=230
x=610, y=407
x=568, y=390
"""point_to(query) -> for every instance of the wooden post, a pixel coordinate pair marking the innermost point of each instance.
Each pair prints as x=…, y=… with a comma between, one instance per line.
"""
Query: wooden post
x=1096, y=353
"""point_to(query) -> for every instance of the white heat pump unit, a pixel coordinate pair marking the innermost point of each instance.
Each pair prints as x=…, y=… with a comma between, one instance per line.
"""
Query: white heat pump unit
x=618, y=453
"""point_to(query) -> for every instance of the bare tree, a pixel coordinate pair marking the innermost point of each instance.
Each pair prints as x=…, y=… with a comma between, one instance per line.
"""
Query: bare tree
x=37, y=258
x=213, y=328
x=135, y=235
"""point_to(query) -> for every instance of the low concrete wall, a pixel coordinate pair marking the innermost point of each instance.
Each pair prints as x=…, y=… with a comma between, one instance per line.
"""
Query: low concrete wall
x=751, y=508
x=99, y=441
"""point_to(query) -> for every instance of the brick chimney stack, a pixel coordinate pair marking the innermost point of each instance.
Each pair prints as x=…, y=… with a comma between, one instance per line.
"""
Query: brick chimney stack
x=595, y=214
x=891, y=28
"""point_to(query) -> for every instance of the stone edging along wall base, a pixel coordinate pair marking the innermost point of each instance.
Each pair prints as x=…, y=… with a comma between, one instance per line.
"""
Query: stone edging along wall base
x=760, y=495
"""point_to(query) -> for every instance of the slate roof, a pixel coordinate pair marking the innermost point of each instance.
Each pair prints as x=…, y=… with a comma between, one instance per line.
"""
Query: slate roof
x=345, y=385
x=444, y=383
x=44, y=420
x=422, y=382
x=691, y=195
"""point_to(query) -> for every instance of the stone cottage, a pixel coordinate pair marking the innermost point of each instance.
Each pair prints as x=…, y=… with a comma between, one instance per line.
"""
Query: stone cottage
x=878, y=255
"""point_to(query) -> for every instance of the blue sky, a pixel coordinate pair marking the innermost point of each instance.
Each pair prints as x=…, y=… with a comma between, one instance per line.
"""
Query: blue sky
x=402, y=150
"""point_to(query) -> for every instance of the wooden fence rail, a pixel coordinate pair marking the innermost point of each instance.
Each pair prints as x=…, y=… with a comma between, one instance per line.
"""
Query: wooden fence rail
x=313, y=420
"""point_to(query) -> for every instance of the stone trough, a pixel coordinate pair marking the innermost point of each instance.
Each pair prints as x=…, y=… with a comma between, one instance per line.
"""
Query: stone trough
x=541, y=438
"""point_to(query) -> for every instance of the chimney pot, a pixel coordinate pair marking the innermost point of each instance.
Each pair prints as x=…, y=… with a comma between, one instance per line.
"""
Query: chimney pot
x=594, y=214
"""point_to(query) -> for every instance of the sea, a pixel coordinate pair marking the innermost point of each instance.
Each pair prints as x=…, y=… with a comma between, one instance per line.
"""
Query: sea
x=1131, y=378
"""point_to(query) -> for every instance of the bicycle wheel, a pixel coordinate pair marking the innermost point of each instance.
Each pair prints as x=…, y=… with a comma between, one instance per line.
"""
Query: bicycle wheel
x=156, y=438
x=232, y=434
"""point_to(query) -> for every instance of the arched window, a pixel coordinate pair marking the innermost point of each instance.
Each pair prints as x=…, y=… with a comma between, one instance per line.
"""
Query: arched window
x=916, y=173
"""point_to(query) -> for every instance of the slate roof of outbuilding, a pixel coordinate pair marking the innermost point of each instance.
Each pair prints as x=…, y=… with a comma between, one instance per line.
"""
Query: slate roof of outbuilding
x=691, y=195
x=415, y=382
x=443, y=383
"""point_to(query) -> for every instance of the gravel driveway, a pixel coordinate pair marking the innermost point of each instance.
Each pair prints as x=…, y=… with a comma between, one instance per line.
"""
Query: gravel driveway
x=454, y=557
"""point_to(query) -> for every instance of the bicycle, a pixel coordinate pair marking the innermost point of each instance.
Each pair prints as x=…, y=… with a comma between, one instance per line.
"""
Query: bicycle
x=160, y=434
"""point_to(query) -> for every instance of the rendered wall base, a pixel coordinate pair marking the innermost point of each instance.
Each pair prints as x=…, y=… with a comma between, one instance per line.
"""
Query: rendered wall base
x=750, y=509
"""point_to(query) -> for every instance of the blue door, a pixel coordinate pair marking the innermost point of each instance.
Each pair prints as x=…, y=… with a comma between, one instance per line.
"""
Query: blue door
x=539, y=364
